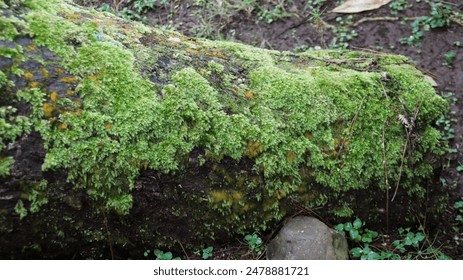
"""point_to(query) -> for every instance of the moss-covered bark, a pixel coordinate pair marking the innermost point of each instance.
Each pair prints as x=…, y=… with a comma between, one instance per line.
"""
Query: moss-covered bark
x=114, y=132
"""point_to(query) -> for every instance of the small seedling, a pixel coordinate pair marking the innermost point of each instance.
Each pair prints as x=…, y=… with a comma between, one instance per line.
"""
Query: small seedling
x=450, y=58
x=207, y=252
x=254, y=243
x=160, y=255
x=459, y=208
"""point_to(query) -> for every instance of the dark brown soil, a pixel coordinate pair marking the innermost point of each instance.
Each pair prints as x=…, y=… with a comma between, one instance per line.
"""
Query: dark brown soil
x=376, y=31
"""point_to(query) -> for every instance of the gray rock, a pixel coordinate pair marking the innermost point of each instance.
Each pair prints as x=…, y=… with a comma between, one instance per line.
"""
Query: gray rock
x=307, y=238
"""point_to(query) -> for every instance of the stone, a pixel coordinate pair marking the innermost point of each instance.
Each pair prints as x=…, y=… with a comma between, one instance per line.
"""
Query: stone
x=307, y=238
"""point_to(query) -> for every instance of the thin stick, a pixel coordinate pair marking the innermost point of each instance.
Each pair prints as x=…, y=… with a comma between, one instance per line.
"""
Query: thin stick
x=183, y=249
x=386, y=179
x=409, y=131
x=368, y=19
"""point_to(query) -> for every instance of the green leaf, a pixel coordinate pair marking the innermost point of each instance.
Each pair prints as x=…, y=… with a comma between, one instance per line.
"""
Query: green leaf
x=347, y=226
x=354, y=235
x=356, y=252
x=357, y=223
x=340, y=228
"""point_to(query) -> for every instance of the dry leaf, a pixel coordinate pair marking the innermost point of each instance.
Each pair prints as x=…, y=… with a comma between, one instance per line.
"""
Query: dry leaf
x=357, y=6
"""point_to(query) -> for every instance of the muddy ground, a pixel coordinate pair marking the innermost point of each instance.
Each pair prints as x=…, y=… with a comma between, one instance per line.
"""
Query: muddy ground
x=302, y=25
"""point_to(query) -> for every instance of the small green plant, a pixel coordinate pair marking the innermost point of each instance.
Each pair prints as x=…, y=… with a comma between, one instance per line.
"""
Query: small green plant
x=272, y=15
x=343, y=34
x=410, y=245
x=160, y=255
x=399, y=6
x=205, y=253
x=459, y=208
x=450, y=58
x=254, y=243
x=439, y=16
x=356, y=232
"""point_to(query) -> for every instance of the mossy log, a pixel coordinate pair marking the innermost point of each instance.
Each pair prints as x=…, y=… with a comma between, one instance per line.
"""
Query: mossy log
x=115, y=135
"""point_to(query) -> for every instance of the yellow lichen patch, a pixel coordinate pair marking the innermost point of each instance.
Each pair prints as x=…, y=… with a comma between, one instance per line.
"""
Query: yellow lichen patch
x=31, y=47
x=45, y=73
x=62, y=126
x=218, y=196
x=70, y=92
x=280, y=194
x=249, y=94
x=108, y=125
x=28, y=76
x=59, y=71
x=237, y=196
x=48, y=109
x=290, y=156
x=54, y=96
x=254, y=149
x=69, y=79
x=94, y=77
x=34, y=84
x=218, y=54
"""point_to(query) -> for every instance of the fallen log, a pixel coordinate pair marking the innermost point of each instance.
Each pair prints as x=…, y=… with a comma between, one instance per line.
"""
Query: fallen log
x=117, y=137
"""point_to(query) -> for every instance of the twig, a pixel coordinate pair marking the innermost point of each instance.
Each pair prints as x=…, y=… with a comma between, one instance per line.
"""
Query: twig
x=409, y=130
x=183, y=249
x=385, y=178
x=368, y=19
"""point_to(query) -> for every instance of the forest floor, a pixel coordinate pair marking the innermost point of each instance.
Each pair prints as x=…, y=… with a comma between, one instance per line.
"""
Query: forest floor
x=429, y=32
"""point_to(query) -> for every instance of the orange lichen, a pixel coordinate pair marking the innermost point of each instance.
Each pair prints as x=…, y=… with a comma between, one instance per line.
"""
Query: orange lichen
x=62, y=126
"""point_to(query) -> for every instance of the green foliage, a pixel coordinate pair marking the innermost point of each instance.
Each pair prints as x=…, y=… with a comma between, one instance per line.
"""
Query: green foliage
x=411, y=245
x=20, y=209
x=356, y=232
x=272, y=15
x=399, y=6
x=160, y=255
x=459, y=208
x=440, y=16
x=254, y=243
x=343, y=33
x=11, y=127
x=205, y=253
x=450, y=58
